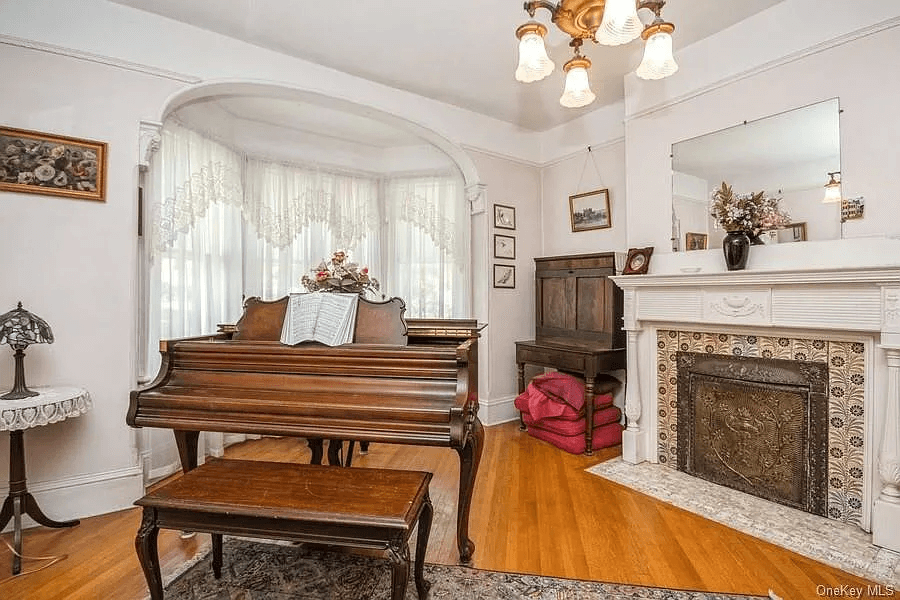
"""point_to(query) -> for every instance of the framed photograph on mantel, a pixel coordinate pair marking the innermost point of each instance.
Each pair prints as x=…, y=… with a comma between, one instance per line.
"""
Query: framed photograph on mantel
x=638, y=261
x=41, y=163
x=590, y=210
x=695, y=241
x=504, y=216
x=504, y=246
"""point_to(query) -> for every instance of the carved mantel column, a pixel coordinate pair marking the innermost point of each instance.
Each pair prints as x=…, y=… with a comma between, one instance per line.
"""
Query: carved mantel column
x=633, y=438
x=886, y=522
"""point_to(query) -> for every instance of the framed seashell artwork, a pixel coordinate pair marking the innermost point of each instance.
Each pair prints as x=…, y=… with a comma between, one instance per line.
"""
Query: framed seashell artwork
x=42, y=163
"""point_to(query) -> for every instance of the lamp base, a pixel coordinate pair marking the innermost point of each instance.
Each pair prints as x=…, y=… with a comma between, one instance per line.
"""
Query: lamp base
x=19, y=390
x=19, y=394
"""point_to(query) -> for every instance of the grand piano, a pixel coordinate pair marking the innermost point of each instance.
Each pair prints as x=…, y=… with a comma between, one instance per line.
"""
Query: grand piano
x=401, y=381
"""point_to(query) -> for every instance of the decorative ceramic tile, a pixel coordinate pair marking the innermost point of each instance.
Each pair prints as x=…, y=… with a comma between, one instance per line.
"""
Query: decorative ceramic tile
x=840, y=545
x=846, y=401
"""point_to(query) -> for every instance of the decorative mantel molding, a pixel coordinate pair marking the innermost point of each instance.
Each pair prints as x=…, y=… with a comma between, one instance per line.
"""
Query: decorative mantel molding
x=847, y=301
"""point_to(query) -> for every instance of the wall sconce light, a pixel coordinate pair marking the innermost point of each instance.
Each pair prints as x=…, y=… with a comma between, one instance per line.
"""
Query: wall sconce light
x=833, y=188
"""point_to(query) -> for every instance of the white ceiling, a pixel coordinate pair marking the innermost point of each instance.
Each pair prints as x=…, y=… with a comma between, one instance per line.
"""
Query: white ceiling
x=461, y=52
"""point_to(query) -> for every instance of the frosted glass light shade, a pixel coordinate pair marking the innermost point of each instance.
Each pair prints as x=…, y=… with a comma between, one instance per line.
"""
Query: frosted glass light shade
x=578, y=89
x=534, y=64
x=658, y=60
x=832, y=193
x=620, y=23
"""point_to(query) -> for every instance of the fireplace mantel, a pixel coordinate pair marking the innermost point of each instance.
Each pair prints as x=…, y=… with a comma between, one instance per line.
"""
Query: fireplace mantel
x=847, y=301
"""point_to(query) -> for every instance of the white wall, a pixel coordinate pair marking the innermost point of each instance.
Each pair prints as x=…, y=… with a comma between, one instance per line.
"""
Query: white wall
x=851, y=71
x=72, y=262
x=511, y=316
x=602, y=167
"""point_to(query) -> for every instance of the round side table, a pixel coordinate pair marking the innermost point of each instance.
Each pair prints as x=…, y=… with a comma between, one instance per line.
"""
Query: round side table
x=52, y=404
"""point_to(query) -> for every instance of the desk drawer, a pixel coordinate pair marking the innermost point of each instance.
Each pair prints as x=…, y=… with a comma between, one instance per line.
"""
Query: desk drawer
x=563, y=360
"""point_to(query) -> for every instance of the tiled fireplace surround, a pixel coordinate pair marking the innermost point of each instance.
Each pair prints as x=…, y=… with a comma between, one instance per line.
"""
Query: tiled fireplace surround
x=847, y=316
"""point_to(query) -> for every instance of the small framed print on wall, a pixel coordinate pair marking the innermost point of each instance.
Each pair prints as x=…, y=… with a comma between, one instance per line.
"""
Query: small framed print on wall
x=638, y=261
x=504, y=217
x=504, y=276
x=504, y=246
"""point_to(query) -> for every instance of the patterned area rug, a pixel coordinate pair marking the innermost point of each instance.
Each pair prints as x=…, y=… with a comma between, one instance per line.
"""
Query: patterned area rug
x=255, y=570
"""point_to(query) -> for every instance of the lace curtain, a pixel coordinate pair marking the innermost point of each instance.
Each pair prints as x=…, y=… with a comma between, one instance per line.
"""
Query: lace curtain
x=427, y=245
x=296, y=217
x=195, y=271
x=224, y=227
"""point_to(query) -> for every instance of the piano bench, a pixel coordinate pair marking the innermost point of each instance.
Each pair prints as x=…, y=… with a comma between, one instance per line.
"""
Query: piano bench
x=357, y=508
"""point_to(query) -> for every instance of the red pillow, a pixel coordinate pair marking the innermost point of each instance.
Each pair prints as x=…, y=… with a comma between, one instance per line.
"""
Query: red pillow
x=604, y=416
x=604, y=437
x=557, y=395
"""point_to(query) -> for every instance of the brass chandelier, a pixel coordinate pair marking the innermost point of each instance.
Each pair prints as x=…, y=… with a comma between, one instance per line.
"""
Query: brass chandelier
x=609, y=22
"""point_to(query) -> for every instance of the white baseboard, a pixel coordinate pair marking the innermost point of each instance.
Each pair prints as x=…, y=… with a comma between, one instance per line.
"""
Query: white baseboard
x=498, y=410
x=85, y=495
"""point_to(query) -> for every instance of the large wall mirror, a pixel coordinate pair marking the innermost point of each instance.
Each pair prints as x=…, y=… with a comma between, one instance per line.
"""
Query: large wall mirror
x=789, y=155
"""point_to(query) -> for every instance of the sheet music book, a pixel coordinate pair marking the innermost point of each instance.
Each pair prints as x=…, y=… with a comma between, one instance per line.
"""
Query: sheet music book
x=328, y=318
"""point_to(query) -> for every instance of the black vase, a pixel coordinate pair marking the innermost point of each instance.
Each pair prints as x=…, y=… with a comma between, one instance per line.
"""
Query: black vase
x=736, y=246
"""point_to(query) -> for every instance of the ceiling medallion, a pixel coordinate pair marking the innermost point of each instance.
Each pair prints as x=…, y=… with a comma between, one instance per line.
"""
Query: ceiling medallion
x=608, y=22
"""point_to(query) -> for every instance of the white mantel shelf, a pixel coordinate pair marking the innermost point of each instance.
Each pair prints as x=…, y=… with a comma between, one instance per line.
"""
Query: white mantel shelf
x=836, y=276
x=785, y=290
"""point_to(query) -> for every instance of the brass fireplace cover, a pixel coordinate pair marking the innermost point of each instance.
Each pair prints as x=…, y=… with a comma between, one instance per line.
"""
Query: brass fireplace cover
x=758, y=425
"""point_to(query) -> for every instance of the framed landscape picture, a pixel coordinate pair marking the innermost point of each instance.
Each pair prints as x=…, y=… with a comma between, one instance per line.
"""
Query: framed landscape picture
x=42, y=163
x=504, y=276
x=504, y=216
x=504, y=246
x=590, y=210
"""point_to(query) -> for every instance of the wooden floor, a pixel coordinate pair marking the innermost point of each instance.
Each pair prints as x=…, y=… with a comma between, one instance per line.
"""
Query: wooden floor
x=535, y=511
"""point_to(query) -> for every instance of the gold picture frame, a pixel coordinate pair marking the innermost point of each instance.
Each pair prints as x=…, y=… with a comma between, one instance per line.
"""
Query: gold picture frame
x=695, y=241
x=32, y=162
x=590, y=210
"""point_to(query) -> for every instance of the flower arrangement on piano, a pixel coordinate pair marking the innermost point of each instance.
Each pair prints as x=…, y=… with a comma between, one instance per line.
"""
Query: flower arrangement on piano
x=752, y=213
x=340, y=275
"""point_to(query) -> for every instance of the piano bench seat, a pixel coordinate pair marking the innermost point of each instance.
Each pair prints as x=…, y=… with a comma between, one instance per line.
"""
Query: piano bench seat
x=357, y=508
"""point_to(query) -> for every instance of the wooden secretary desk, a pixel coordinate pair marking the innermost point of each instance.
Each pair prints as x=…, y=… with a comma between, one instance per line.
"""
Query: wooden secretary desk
x=578, y=323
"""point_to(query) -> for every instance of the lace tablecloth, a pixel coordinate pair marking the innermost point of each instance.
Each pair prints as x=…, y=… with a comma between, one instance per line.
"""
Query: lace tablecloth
x=52, y=404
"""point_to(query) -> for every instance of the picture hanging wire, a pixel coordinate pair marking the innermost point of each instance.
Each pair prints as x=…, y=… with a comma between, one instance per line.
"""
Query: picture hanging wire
x=589, y=156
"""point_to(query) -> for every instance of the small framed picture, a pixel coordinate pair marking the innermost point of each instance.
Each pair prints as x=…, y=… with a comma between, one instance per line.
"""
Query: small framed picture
x=798, y=232
x=504, y=276
x=638, y=261
x=590, y=210
x=41, y=163
x=504, y=217
x=504, y=246
x=695, y=241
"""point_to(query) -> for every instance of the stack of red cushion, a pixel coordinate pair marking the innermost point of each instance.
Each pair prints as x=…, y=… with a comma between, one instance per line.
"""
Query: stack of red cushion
x=553, y=409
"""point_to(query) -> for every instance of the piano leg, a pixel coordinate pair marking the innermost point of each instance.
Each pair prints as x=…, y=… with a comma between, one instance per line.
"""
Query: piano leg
x=334, y=453
x=469, y=458
x=316, y=447
x=187, y=448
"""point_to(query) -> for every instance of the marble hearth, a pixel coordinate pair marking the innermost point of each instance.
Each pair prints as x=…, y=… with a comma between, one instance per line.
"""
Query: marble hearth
x=846, y=316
